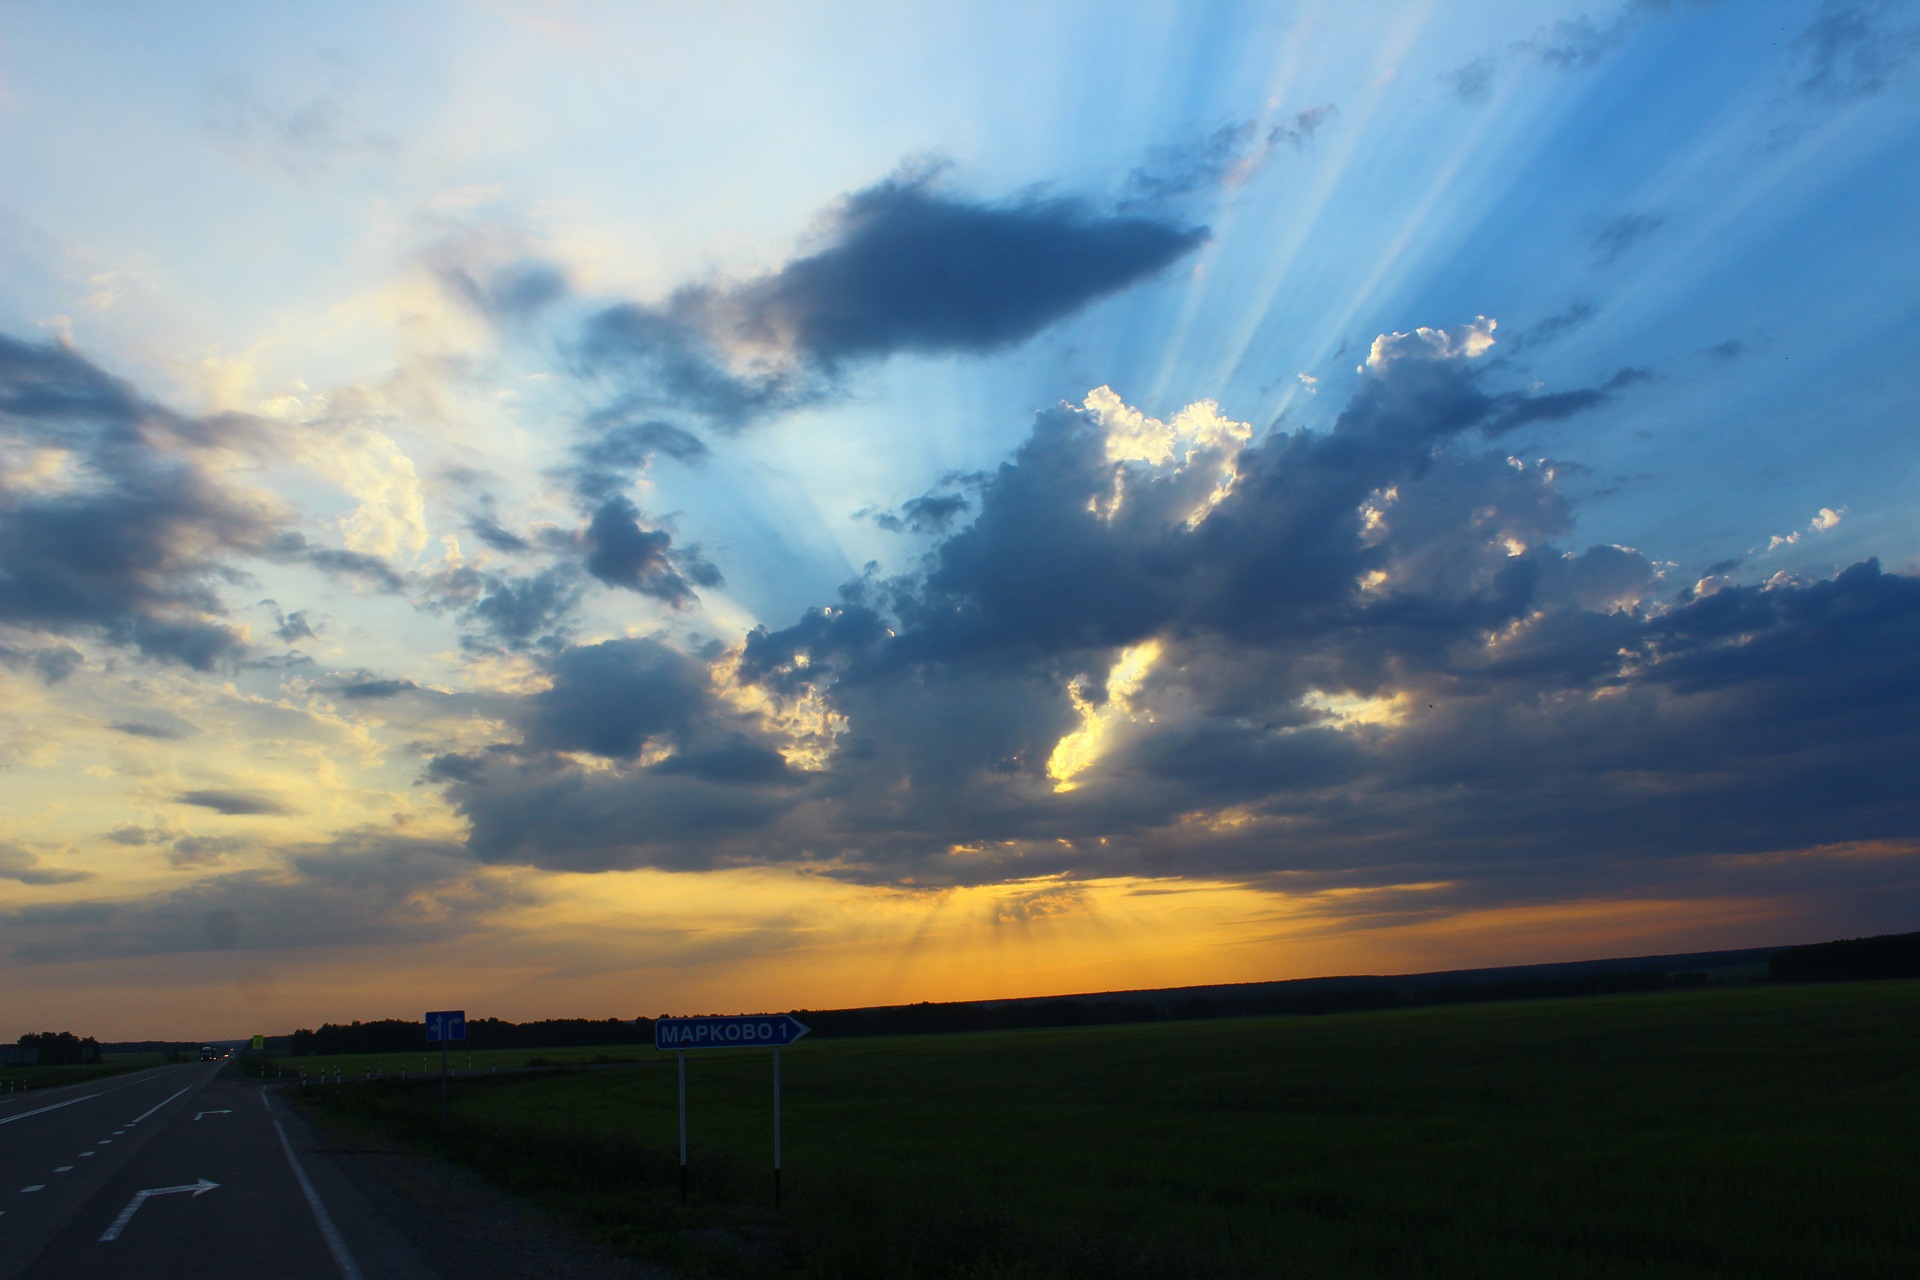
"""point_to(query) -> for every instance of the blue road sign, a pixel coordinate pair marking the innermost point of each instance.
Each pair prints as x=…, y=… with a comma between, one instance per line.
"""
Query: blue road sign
x=742, y=1032
x=448, y=1024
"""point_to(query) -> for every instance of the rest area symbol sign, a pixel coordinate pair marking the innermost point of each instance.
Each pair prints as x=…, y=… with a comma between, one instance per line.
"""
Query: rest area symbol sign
x=739, y=1032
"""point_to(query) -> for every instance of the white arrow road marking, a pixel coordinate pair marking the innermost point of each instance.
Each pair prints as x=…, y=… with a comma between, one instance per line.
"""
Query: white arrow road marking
x=55, y=1107
x=223, y=1111
x=196, y=1189
x=155, y=1107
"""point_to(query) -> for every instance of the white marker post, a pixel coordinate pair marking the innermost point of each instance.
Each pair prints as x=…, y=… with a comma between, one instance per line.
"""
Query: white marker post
x=776, y=1127
x=682, y=1056
x=739, y=1032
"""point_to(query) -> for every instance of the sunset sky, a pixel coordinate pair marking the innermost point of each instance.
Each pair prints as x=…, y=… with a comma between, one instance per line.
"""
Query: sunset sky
x=585, y=510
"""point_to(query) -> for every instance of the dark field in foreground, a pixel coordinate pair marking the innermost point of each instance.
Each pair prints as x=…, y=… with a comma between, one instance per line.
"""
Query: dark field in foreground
x=1744, y=1132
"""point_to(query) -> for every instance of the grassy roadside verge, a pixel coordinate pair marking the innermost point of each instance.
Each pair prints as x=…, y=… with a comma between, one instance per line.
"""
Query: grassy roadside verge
x=1760, y=1132
x=13, y=1079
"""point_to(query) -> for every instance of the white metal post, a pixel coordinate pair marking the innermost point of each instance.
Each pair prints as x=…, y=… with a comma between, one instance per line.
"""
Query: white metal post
x=776, y=1126
x=682, y=1055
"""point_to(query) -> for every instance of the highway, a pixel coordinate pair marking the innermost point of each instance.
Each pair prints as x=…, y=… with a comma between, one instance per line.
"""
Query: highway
x=182, y=1171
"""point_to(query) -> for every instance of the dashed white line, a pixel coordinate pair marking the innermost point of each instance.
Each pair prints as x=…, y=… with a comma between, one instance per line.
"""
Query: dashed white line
x=63, y=1168
x=38, y=1186
x=85, y=1154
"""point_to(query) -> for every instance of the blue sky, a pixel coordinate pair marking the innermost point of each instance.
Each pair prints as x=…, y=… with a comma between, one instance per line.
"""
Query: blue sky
x=742, y=506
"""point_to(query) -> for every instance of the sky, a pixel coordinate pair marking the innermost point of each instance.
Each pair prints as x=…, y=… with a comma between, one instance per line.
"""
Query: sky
x=559, y=509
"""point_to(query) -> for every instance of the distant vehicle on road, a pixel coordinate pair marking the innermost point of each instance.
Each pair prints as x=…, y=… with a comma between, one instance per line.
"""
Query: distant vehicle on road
x=211, y=1053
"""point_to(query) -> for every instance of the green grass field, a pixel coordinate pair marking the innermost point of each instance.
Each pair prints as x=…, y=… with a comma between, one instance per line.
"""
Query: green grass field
x=1748, y=1132
x=112, y=1064
x=357, y=1065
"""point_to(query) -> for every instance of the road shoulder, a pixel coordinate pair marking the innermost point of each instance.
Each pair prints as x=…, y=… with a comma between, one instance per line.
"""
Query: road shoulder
x=393, y=1204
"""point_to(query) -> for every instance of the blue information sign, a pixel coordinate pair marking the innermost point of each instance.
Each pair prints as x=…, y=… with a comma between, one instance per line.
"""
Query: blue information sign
x=741, y=1032
x=448, y=1024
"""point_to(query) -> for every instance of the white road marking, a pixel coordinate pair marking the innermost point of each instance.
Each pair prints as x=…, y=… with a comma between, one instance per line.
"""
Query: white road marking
x=197, y=1189
x=55, y=1107
x=341, y=1258
x=38, y=1186
x=223, y=1111
x=63, y=1168
x=155, y=1107
x=85, y=1154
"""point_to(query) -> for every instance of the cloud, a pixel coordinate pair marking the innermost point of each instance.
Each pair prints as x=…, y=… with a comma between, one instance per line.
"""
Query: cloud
x=307, y=136
x=623, y=553
x=1568, y=44
x=52, y=663
x=1578, y=314
x=1223, y=159
x=1174, y=647
x=1854, y=49
x=1619, y=234
x=928, y=513
x=377, y=690
x=133, y=539
x=233, y=803
x=514, y=293
x=355, y=890
x=903, y=267
x=26, y=868
x=159, y=732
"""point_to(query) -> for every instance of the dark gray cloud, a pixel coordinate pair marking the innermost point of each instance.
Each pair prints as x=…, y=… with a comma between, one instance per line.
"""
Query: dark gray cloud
x=904, y=266
x=376, y=690
x=1731, y=349
x=1619, y=234
x=1855, y=49
x=233, y=803
x=1304, y=126
x=136, y=550
x=1172, y=173
x=1471, y=82
x=1567, y=44
x=510, y=611
x=52, y=663
x=1381, y=660
x=623, y=553
x=160, y=732
x=928, y=513
x=618, y=450
x=358, y=889
x=612, y=698
x=25, y=867
x=371, y=570
x=1579, y=313
x=516, y=292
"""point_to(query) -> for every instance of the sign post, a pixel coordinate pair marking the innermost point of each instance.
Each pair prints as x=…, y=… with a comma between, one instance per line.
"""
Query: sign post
x=443, y=1028
x=739, y=1032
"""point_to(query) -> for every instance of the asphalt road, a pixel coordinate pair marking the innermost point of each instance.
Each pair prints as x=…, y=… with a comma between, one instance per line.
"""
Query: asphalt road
x=182, y=1172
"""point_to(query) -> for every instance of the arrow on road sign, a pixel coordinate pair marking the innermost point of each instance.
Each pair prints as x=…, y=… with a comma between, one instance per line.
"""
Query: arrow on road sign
x=196, y=1189
x=749, y=1032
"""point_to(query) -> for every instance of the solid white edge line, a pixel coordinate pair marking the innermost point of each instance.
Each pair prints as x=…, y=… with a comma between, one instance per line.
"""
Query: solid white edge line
x=155, y=1107
x=138, y=1076
x=55, y=1107
x=344, y=1260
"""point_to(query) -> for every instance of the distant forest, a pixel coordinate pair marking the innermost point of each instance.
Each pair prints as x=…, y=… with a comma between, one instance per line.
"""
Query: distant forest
x=398, y=1035
x=1891, y=956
